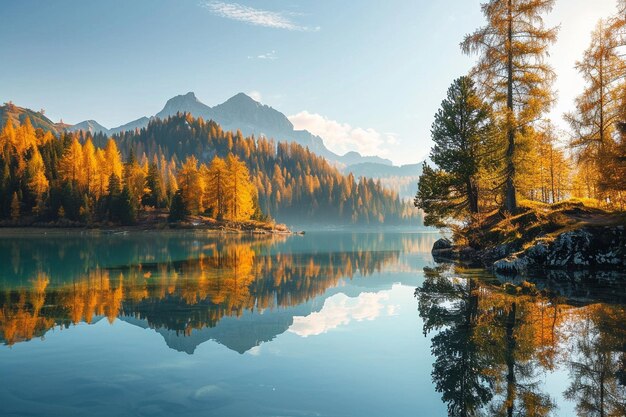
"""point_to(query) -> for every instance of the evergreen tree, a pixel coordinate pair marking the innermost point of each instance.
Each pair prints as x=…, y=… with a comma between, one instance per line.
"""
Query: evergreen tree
x=156, y=195
x=463, y=134
x=111, y=201
x=125, y=207
x=178, y=208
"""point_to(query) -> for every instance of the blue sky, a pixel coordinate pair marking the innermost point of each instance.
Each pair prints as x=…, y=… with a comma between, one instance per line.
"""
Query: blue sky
x=368, y=75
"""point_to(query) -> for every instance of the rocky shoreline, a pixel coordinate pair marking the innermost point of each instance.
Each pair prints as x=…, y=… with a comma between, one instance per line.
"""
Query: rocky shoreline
x=585, y=248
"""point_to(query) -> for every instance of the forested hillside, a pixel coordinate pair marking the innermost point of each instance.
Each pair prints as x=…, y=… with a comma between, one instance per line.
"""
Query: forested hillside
x=185, y=166
x=45, y=178
x=294, y=184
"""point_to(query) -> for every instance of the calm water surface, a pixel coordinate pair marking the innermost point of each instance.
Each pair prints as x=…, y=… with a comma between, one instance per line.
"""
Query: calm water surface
x=327, y=324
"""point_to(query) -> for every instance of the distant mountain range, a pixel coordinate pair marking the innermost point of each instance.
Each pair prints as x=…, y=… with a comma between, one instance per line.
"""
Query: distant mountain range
x=241, y=112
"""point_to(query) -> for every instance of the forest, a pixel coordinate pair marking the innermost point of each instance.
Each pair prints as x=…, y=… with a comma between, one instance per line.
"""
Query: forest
x=495, y=149
x=181, y=165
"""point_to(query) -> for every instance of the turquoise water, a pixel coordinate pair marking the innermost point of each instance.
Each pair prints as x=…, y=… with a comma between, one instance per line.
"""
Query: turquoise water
x=327, y=324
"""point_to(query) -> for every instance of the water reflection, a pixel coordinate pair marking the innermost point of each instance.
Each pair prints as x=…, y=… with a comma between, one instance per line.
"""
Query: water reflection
x=494, y=345
x=183, y=286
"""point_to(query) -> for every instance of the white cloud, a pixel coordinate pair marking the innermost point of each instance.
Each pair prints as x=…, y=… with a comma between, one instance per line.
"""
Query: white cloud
x=270, y=56
x=256, y=95
x=252, y=16
x=341, y=137
x=340, y=310
x=255, y=350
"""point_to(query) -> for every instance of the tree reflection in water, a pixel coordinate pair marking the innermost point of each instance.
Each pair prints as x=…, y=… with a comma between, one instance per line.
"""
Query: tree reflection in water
x=220, y=278
x=495, y=342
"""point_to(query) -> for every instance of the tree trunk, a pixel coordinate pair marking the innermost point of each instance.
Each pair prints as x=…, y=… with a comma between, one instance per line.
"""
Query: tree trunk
x=552, y=174
x=510, y=201
x=510, y=361
x=602, y=392
x=472, y=197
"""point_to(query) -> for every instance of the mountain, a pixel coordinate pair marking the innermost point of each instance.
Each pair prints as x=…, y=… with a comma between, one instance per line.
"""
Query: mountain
x=187, y=103
x=90, y=126
x=135, y=124
x=353, y=157
x=10, y=111
x=243, y=113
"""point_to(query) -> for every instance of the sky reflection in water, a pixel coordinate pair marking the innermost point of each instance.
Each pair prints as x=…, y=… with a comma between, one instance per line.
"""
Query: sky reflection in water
x=326, y=324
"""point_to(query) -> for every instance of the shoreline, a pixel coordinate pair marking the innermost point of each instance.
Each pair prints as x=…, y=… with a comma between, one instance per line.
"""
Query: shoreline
x=250, y=228
x=581, y=251
x=12, y=232
x=565, y=237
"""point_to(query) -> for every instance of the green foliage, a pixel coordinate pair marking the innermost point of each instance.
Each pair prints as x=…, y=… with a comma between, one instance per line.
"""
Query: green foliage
x=125, y=208
x=178, y=209
x=156, y=196
x=459, y=367
x=465, y=145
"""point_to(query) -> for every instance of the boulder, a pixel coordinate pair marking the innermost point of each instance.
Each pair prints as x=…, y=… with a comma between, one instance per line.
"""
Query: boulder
x=511, y=265
x=443, y=251
x=442, y=244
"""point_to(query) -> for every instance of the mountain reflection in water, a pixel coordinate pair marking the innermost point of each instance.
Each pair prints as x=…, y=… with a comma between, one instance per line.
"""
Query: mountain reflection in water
x=182, y=287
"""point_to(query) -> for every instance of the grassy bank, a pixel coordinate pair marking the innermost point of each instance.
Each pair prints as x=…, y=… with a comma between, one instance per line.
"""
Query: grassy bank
x=533, y=221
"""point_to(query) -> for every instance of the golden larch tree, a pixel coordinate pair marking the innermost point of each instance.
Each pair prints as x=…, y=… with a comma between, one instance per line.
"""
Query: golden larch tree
x=217, y=185
x=113, y=159
x=71, y=164
x=90, y=167
x=600, y=107
x=38, y=184
x=241, y=190
x=191, y=185
x=512, y=72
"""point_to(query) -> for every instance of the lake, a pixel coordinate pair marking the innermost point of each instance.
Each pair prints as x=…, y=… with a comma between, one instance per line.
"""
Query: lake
x=326, y=324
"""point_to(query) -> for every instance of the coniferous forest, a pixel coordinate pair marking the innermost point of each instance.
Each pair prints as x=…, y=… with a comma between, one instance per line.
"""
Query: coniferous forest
x=182, y=165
